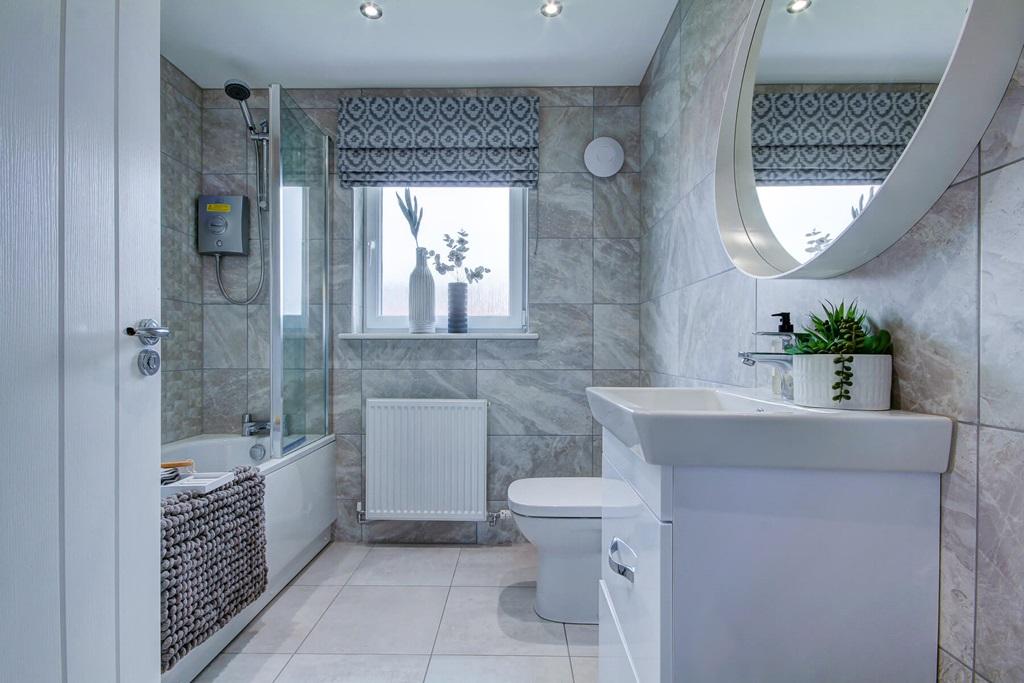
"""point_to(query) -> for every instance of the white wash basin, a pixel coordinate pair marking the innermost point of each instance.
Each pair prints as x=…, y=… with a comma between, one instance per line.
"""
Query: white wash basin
x=720, y=428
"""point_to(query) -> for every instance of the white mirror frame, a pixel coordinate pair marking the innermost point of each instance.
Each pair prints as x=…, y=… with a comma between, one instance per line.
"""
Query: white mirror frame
x=963, y=105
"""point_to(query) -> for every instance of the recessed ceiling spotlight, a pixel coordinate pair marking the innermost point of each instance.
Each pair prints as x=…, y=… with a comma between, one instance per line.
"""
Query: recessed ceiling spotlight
x=797, y=6
x=551, y=8
x=371, y=10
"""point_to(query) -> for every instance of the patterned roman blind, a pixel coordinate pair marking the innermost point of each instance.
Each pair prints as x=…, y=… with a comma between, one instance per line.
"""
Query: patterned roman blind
x=438, y=141
x=832, y=138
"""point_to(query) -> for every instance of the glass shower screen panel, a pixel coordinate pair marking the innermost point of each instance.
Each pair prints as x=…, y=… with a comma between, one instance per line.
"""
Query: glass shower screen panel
x=301, y=308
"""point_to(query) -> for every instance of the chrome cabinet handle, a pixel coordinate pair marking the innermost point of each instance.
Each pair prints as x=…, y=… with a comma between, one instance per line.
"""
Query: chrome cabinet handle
x=148, y=332
x=624, y=570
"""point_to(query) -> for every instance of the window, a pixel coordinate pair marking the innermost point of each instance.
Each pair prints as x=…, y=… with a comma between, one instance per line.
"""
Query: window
x=495, y=220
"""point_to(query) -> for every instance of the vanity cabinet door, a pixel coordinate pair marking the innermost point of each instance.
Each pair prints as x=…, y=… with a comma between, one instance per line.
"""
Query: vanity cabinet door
x=614, y=663
x=636, y=576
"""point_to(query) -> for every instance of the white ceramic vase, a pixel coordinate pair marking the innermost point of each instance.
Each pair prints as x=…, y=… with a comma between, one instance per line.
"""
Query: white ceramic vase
x=421, y=296
x=814, y=375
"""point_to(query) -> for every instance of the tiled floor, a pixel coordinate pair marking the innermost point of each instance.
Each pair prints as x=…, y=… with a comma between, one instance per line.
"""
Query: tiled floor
x=409, y=614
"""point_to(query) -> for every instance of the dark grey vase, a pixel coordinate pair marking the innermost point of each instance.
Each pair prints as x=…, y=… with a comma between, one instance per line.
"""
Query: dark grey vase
x=458, y=318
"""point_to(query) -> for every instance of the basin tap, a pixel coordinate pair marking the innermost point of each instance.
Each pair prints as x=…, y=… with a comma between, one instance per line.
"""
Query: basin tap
x=254, y=428
x=783, y=361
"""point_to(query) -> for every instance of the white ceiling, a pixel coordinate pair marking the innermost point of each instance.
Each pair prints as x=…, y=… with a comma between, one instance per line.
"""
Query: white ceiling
x=418, y=43
x=861, y=41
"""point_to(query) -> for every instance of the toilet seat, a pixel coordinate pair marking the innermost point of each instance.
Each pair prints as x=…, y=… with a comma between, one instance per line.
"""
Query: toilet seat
x=576, y=497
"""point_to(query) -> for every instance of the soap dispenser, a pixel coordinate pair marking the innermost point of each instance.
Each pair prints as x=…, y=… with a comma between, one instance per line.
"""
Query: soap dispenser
x=781, y=340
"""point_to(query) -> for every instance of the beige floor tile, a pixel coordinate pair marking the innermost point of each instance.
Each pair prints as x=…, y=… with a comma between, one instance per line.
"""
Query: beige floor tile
x=505, y=565
x=282, y=625
x=497, y=621
x=487, y=669
x=584, y=669
x=582, y=639
x=243, y=668
x=355, y=669
x=333, y=566
x=406, y=566
x=379, y=620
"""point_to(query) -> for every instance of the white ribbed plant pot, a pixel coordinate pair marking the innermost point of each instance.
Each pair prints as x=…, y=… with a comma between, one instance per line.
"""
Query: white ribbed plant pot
x=421, y=296
x=814, y=375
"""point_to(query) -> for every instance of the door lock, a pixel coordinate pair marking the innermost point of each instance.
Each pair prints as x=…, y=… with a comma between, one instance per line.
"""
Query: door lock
x=149, y=362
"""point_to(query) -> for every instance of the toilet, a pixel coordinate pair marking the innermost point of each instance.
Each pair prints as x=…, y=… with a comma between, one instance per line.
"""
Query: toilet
x=561, y=516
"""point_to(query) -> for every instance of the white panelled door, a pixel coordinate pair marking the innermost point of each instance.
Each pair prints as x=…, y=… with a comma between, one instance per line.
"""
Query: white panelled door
x=79, y=262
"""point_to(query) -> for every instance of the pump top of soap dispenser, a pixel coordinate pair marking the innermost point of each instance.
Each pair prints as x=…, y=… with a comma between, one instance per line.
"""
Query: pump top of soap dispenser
x=784, y=322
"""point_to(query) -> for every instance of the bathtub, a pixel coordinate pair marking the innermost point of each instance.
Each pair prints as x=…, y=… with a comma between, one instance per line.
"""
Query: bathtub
x=300, y=508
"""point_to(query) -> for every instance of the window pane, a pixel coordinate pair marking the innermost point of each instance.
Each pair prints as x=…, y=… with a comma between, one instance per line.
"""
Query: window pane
x=483, y=212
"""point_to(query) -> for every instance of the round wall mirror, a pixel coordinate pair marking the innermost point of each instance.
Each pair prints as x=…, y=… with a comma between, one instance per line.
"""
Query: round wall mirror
x=845, y=121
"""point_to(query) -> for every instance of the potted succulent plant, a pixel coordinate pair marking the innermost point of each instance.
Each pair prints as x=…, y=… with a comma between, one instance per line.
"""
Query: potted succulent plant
x=421, y=282
x=458, y=291
x=839, y=361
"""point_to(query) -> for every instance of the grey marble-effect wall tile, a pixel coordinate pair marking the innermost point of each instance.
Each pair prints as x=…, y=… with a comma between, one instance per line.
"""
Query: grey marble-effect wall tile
x=617, y=378
x=321, y=98
x=341, y=271
x=317, y=406
x=348, y=470
x=659, y=334
x=661, y=186
x=564, y=133
x=181, y=404
x=341, y=211
x=184, y=349
x=660, y=107
x=717, y=319
x=701, y=121
x=663, y=256
x=958, y=546
x=565, y=205
x=346, y=402
x=179, y=187
x=617, y=96
x=564, y=96
x=225, y=329
x=999, y=656
x=419, y=92
x=420, y=532
x=258, y=343
x=224, y=400
x=503, y=532
x=616, y=271
x=519, y=457
x=232, y=184
x=347, y=528
x=180, y=267
x=923, y=290
x=225, y=143
x=704, y=36
x=535, y=401
x=234, y=272
x=293, y=400
x=971, y=169
x=566, y=341
x=1002, y=296
x=617, y=336
x=258, y=394
x=1003, y=142
x=326, y=119
x=623, y=124
x=419, y=384
x=561, y=271
x=345, y=353
x=257, y=253
x=700, y=253
x=617, y=206
x=180, y=127
x=181, y=82
x=951, y=670
x=214, y=98
x=429, y=354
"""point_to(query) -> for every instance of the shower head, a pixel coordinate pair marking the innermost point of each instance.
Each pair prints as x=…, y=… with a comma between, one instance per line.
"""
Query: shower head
x=240, y=90
x=237, y=90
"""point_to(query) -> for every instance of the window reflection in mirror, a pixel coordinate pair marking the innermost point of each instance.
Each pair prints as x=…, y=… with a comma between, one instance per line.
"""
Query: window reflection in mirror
x=840, y=90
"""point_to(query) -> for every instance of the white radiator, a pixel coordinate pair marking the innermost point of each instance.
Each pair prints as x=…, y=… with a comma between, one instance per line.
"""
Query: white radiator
x=426, y=459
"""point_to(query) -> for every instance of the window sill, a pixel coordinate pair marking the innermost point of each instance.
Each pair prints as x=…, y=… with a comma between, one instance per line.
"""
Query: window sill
x=439, y=335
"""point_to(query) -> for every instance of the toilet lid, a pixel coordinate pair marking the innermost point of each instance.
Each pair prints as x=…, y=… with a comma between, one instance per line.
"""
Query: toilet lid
x=556, y=497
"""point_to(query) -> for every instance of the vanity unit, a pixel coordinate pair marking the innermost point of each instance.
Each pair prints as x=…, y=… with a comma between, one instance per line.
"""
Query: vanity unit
x=748, y=539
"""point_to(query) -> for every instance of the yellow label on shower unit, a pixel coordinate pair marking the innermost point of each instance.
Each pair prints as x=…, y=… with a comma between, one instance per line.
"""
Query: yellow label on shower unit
x=218, y=208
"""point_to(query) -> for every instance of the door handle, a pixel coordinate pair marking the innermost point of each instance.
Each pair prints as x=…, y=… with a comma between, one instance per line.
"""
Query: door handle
x=148, y=331
x=624, y=570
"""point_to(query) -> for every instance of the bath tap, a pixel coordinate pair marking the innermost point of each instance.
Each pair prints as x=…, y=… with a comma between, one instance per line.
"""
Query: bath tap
x=254, y=428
